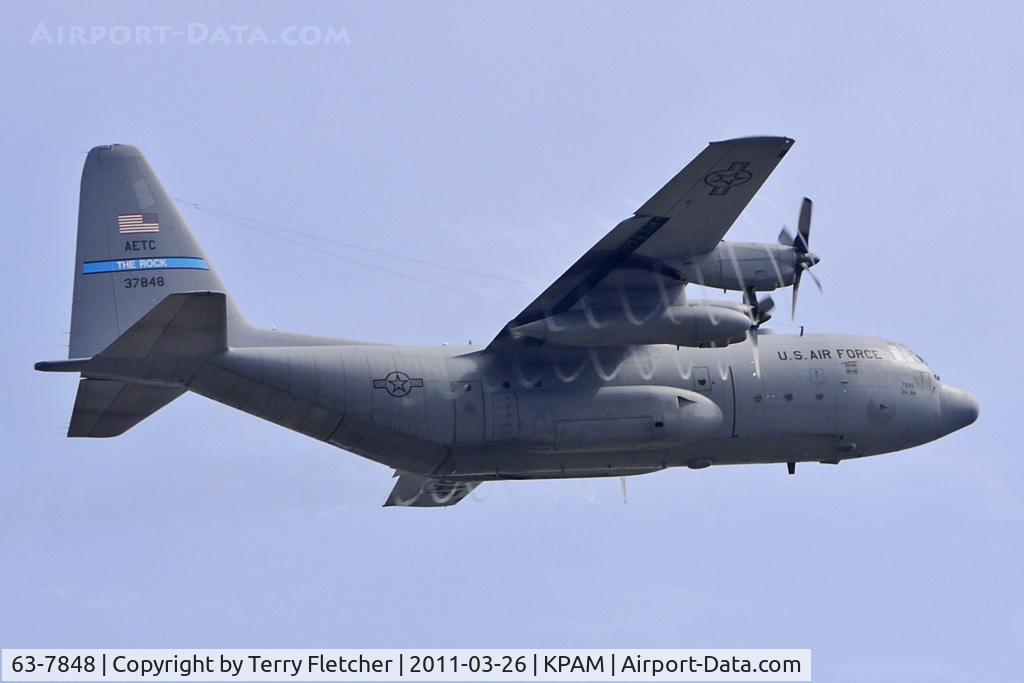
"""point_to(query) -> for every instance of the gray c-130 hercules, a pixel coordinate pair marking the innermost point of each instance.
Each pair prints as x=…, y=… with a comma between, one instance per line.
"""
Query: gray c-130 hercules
x=611, y=371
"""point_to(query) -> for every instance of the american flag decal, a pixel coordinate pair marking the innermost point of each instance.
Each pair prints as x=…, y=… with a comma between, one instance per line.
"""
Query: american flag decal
x=131, y=223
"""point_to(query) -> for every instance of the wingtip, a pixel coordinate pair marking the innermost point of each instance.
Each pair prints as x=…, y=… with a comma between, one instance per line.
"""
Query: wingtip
x=758, y=140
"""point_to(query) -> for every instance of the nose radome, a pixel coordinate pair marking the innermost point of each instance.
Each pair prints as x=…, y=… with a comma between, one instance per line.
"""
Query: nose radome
x=958, y=408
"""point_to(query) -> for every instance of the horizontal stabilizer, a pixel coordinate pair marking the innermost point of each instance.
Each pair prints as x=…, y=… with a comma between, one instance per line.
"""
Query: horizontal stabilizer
x=414, y=490
x=183, y=325
x=186, y=326
x=69, y=365
x=106, y=408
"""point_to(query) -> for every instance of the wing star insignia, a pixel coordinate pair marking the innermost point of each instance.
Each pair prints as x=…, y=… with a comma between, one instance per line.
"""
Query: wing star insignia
x=724, y=180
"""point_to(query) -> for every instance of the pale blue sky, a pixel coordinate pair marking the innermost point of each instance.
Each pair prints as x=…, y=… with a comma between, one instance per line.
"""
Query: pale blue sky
x=509, y=138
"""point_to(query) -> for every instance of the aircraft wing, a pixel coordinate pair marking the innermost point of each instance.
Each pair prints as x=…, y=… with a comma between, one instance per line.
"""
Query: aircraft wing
x=414, y=490
x=688, y=216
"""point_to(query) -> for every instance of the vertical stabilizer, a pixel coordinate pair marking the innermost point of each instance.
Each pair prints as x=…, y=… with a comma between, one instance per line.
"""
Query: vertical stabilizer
x=134, y=249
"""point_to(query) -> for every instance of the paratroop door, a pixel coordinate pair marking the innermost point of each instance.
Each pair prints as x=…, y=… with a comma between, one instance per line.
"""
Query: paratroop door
x=469, y=412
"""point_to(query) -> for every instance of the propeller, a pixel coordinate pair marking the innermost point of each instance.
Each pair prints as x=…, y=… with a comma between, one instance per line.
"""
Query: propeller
x=760, y=313
x=801, y=244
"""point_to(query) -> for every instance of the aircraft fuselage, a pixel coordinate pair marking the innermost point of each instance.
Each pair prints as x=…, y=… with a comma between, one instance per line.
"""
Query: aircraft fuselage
x=554, y=412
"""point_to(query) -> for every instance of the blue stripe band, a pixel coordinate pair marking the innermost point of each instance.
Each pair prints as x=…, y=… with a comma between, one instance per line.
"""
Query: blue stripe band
x=159, y=263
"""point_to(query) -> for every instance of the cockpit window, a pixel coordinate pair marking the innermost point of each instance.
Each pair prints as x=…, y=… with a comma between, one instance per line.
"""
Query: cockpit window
x=898, y=354
x=905, y=355
x=913, y=357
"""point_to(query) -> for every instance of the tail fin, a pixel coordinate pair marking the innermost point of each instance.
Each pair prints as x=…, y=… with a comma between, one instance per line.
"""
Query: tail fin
x=134, y=249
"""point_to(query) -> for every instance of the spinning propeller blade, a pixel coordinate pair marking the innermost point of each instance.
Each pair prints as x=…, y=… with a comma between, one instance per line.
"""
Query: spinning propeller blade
x=801, y=243
x=760, y=313
x=815, y=278
x=796, y=292
x=803, y=240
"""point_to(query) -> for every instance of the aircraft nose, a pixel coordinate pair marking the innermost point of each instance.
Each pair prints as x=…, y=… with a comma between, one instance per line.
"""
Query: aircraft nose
x=957, y=407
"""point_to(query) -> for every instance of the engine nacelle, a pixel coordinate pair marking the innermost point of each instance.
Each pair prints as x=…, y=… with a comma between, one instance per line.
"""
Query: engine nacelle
x=691, y=324
x=610, y=418
x=740, y=265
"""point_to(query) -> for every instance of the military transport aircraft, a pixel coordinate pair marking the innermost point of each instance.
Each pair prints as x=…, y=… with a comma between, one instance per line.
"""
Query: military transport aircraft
x=611, y=371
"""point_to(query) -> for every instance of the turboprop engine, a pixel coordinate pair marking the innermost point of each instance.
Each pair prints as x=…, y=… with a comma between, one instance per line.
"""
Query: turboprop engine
x=755, y=266
x=700, y=323
x=740, y=266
